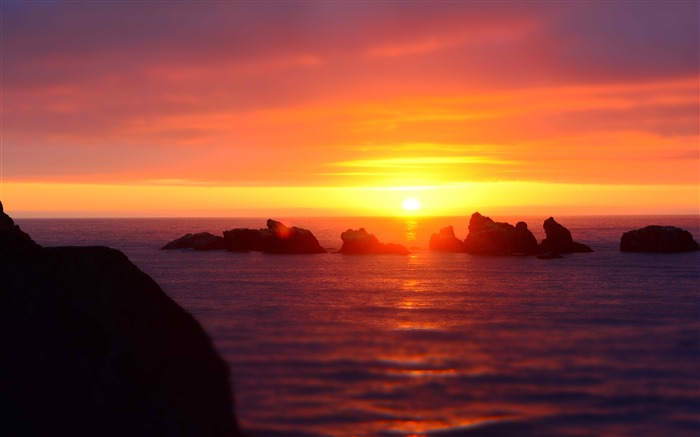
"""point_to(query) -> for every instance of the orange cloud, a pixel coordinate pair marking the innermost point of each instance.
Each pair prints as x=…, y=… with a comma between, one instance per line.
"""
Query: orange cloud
x=342, y=95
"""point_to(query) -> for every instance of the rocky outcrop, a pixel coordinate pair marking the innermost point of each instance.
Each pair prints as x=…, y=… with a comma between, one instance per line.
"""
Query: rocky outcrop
x=277, y=238
x=13, y=241
x=243, y=240
x=361, y=242
x=558, y=239
x=487, y=237
x=93, y=346
x=446, y=241
x=200, y=241
x=658, y=239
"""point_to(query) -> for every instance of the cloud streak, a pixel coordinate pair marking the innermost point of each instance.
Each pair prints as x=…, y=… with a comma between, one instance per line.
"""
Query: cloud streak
x=277, y=93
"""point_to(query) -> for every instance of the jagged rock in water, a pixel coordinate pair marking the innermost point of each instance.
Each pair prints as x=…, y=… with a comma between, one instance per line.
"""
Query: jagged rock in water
x=487, y=237
x=361, y=242
x=445, y=241
x=658, y=239
x=243, y=240
x=93, y=347
x=278, y=238
x=558, y=239
x=199, y=241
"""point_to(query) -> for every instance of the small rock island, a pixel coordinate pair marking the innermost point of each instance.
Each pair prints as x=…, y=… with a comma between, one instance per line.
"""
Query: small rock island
x=488, y=237
x=658, y=239
x=276, y=238
x=361, y=242
x=558, y=239
x=446, y=241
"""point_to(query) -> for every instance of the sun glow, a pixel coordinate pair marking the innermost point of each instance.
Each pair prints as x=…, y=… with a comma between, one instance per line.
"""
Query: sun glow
x=411, y=204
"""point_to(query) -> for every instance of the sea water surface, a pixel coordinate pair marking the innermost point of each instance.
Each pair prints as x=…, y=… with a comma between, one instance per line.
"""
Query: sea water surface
x=443, y=344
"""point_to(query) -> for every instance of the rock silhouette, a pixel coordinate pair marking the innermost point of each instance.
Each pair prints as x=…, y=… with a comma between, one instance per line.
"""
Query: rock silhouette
x=361, y=242
x=276, y=238
x=93, y=347
x=658, y=239
x=200, y=241
x=13, y=241
x=445, y=241
x=487, y=237
x=558, y=239
x=243, y=240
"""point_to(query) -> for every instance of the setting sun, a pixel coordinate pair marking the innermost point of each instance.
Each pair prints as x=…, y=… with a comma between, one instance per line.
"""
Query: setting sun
x=354, y=121
x=411, y=204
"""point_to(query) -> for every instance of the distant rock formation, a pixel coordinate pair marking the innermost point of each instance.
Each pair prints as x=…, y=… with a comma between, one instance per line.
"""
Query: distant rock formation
x=93, y=347
x=361, y=242
x=558, y=239
x=487, y=237
x=658, y=239
x=200, y=241
x=446, y=241
x=243, y=240
x=277, y=238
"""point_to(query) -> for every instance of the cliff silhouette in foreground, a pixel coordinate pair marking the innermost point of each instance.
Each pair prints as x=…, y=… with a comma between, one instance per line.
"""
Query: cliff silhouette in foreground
x=92, y=346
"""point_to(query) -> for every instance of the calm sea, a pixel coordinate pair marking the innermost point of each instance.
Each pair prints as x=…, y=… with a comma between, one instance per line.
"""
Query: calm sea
x=597, y=344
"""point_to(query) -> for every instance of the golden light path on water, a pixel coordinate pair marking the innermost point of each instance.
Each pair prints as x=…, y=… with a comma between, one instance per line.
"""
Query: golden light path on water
x=408, y=367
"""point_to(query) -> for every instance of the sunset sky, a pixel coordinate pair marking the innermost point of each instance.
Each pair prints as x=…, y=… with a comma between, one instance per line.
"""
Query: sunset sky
x=349, y=108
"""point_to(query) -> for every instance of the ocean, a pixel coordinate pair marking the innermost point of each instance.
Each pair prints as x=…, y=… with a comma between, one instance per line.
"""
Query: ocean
x=440, y=344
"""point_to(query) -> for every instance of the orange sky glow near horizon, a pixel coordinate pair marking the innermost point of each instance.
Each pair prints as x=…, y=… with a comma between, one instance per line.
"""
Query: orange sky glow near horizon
x=332, y=108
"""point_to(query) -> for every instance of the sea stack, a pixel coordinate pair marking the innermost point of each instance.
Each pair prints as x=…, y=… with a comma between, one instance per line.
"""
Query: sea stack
x=658, y=239
x=199, y=241
x=361, y=242
x=276, y=238
x=446, y=241
x=558, y=239
x=279, y=238
x=92, y=346
x=487, y=237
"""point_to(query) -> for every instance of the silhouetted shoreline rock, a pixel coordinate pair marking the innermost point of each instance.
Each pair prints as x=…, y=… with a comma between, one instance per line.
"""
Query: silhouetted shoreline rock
x=558, y=239
x=14, y=242
x=361, y=242
x=92, y=346
x=487, y=237
x=658, y=239
x=277, y=238
x=446, y=241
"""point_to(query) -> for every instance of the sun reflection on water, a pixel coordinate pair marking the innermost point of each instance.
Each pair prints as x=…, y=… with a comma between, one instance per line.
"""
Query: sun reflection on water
x=411, y=230
x=410, y=285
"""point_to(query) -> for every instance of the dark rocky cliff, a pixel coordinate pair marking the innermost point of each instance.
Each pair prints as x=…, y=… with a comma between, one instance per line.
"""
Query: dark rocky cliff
x=91, y=346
